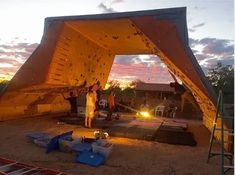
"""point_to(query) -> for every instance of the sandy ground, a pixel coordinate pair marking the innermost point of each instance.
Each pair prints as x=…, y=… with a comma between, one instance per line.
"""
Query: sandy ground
x=129, y=156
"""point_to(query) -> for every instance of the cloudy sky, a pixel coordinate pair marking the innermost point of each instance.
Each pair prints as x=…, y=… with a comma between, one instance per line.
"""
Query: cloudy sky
x=210, y=27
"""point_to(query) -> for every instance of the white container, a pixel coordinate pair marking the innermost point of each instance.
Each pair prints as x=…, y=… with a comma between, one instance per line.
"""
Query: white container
x=102, y=147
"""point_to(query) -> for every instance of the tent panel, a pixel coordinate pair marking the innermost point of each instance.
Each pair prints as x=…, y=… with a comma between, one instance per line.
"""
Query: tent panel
x=34, y=70
x=77, y=59
x=79, y=48
x=170, y=49
x=119, y=35
x=169, y=43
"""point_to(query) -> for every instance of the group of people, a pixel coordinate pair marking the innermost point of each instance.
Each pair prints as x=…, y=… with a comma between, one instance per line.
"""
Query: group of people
x=92, y=103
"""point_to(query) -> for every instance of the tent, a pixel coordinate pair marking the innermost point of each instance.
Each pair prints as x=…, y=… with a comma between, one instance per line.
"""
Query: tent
x=75, y=49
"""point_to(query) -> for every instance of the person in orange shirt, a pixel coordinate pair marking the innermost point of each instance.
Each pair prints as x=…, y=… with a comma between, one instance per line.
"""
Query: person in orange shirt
x=111, y=105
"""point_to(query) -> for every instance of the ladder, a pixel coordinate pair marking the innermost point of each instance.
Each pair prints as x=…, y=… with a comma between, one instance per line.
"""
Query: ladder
x=9, y=167
x=222, y=142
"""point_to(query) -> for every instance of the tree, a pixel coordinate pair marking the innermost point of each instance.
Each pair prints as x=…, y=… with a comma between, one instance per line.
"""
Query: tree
x=3, y=84
x=129, y=92
x=114, y=85
x=135, y=82
x=221, y=77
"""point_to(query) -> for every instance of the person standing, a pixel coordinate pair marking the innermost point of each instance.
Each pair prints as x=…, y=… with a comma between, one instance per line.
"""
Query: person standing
x=73, y=99
x=111, y=105
x=73, y=103
x=90, y=107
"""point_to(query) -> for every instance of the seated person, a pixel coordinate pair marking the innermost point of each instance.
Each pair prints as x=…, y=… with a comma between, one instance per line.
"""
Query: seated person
x=171, y=110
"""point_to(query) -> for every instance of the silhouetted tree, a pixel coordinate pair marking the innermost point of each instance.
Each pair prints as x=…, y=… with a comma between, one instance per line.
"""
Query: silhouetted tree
x=114, y=85
x=3, y=84
x=222, y=78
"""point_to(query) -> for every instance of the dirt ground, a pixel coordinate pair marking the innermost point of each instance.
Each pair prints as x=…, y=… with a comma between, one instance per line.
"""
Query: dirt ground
x=135, y=157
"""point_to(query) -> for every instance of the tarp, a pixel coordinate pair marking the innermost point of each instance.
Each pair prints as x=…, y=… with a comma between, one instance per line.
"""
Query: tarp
x=75, y=49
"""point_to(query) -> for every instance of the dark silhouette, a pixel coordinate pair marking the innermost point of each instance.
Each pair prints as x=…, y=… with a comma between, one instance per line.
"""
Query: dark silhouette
x=73, y=102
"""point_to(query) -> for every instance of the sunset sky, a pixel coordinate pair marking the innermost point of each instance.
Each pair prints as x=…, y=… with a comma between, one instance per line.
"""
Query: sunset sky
x=210, y=27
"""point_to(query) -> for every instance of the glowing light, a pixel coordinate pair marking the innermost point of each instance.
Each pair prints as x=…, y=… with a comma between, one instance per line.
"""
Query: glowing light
x=143, y=114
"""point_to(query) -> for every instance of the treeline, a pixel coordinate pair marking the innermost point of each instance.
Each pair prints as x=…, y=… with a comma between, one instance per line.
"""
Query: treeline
x=221, y=77
x=3, y=84
x=114, y=85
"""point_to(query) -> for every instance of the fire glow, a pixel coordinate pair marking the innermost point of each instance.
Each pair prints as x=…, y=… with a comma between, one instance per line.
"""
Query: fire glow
x=143, y=114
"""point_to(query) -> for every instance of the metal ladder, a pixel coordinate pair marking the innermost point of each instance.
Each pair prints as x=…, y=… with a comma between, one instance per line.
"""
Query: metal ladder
x=9, y=167
x=222, y=142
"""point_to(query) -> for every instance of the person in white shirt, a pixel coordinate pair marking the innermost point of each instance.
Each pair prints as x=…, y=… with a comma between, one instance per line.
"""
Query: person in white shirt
x=90, y=106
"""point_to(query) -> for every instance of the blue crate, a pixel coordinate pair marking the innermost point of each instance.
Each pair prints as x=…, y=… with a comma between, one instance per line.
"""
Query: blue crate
x=47, y=141
x=90, y=158
x=80, y=147
x=53, y=144
x=67, y=136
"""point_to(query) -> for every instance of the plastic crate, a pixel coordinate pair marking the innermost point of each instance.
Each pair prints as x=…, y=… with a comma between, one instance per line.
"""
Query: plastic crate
x=43, y=141
x=80, y=147
x=102, y=147
x=67, y=146
x=37, y=135
x=90, y=158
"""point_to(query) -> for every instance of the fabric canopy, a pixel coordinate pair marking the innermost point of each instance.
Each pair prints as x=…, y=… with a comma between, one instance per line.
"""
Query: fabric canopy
x=75, y=49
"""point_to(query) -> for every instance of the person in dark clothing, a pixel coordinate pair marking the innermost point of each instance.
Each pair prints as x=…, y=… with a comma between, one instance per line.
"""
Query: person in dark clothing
x=73, y=103
x=98, y=88
x=73, y=99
